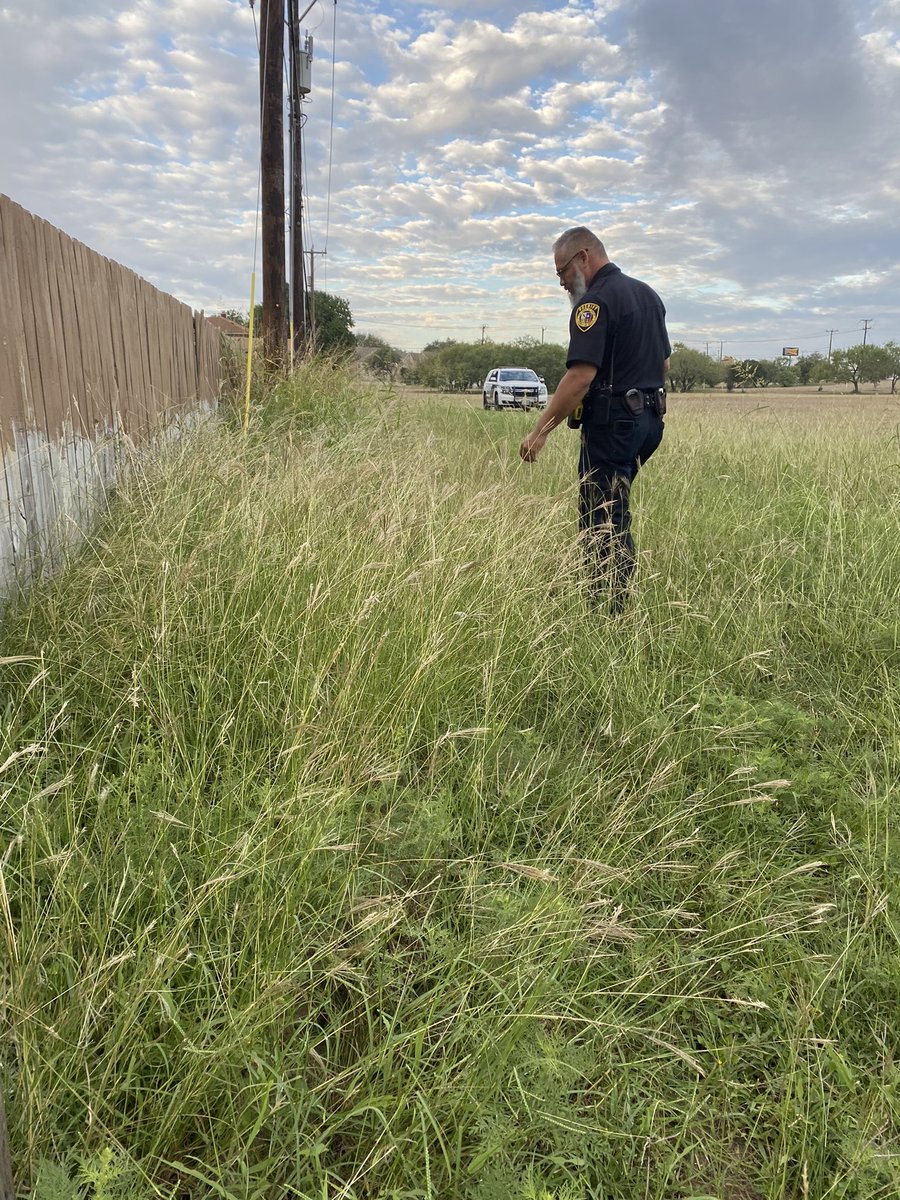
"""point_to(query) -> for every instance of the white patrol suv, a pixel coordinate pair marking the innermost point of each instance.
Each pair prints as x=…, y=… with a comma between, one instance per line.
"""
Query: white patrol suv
x=514, y=387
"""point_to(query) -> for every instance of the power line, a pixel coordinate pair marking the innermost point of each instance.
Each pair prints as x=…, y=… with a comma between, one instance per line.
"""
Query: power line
x=773, y=339
x=393, y=320
x=331, y=130
x=259, y=161
x=255, y=29
x=307, y=215
x=413, y=321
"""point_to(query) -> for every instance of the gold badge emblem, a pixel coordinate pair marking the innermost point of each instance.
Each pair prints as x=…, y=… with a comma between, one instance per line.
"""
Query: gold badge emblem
x=586, y=316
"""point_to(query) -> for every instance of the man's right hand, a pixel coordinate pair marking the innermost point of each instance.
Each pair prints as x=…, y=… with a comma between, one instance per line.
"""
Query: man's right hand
x=532, y=445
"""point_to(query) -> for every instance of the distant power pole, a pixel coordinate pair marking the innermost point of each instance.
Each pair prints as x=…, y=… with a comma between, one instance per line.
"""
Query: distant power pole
x=866, y=323
x=483, y=328
x=300, y=83
x=312, y=296
x=831, y=333
x=271, y=68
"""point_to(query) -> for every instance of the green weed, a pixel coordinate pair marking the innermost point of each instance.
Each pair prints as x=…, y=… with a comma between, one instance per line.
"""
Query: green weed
x=347, y=852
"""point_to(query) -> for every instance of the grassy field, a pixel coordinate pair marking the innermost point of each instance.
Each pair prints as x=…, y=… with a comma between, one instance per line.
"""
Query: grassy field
x=348, y=853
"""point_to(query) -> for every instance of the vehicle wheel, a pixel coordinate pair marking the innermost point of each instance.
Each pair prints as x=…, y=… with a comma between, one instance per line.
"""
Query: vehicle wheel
x=484, y=400
x=496, y=399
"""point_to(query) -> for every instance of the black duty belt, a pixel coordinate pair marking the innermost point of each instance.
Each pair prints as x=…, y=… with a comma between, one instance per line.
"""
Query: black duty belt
x=637, y=399
x=597, y=408
x=647, y=393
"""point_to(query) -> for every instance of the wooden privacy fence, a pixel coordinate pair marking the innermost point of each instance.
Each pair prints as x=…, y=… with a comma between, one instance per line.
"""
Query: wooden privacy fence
x=92, y=358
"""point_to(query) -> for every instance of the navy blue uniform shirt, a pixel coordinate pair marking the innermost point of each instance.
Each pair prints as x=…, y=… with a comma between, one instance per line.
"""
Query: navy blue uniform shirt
x=619, y=325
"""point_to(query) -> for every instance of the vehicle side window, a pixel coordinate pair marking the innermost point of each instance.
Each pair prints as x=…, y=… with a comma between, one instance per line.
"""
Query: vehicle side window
x=492, y=377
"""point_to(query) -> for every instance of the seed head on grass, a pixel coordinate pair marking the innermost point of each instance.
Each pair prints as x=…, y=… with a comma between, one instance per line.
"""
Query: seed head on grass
x=350, y=853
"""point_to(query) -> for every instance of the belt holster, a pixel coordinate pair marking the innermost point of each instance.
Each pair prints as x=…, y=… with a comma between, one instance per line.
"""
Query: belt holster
x=634, y=401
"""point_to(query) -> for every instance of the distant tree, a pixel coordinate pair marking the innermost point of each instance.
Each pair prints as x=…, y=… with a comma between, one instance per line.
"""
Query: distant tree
x=385, y=359
x=766, y=372
x=860, y=364
x=822, y=372
x=846, y=366
x=692, y=368
x=478, y=359
x=892, y=351
x=334, y=324
x=547, y=359
x=438, y=367
x=878, y=364
x=805, y=367
x=236, y=315
x=459, y=366
x=438, y=345
x=775, y=372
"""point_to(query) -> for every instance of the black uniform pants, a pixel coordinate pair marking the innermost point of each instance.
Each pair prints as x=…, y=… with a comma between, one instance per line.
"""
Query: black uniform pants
x=611, y=454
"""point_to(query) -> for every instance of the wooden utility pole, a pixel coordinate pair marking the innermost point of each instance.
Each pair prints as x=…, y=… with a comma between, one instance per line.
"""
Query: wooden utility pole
x=271, y=69
x=298, y=291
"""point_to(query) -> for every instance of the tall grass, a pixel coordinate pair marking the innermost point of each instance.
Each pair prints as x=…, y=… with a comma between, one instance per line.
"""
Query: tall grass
x=348, y=853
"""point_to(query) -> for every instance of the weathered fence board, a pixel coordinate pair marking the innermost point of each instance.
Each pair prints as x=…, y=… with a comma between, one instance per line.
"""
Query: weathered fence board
x=90, y=354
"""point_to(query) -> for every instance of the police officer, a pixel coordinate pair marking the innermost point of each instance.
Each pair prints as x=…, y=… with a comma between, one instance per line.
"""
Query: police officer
x=614, y=383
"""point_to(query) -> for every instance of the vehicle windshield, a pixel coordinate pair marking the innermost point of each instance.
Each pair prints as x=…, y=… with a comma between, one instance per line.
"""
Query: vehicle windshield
x=520, y=375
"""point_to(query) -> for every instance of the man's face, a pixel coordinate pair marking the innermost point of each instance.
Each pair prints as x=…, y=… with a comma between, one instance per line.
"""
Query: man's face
x=571, y=276
x=578, y=288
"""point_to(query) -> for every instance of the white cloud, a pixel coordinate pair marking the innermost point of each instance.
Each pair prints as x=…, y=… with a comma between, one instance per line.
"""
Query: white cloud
x=742, y=158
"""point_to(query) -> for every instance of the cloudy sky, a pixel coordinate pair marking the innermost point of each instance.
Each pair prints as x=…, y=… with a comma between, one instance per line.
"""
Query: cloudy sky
x=743, y=158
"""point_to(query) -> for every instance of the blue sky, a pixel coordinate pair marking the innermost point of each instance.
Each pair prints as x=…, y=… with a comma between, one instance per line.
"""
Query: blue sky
x=742, y=158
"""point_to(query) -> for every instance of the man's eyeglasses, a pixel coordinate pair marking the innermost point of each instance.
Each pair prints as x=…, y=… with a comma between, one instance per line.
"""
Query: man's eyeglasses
x=562, y=270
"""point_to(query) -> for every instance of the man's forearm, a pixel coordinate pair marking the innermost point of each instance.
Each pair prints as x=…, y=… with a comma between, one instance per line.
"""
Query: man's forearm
x=568, y=395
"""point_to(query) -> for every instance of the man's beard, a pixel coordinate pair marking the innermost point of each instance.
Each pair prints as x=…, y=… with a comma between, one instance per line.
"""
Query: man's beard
x=578, y=288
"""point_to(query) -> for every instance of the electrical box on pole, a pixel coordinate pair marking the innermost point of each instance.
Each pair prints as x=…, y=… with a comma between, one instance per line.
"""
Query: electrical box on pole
x=304, y=66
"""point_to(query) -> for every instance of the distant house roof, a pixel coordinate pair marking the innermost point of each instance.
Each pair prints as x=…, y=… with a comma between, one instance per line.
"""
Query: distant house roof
x=226, y=326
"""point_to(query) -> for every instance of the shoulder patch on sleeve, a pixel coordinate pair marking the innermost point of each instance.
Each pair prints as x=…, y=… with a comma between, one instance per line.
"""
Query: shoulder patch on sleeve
x=586, y=316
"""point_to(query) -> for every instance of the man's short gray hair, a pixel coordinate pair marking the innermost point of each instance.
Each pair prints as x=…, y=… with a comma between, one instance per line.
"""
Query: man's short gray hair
x=578, y=238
